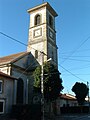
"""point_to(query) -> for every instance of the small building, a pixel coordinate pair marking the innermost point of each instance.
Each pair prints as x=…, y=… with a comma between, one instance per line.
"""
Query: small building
x=65, y=100
x=68, y=100
x=7, y=92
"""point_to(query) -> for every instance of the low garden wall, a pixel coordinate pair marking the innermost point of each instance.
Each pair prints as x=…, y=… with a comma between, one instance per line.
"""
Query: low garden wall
x=75, y=109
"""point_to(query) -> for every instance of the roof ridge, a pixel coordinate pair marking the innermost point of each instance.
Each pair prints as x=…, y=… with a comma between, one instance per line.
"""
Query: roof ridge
x=12, y=58
x=13, y=54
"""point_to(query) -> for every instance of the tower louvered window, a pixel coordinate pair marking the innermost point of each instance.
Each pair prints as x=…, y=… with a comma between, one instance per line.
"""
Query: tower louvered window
x=50, y=21
x=37, y=19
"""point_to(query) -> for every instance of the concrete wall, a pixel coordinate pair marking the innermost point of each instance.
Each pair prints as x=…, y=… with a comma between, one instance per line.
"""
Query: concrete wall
x=7, y=94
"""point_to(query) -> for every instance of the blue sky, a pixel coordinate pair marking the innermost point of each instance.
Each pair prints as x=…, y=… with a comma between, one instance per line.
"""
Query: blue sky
x=73, y=35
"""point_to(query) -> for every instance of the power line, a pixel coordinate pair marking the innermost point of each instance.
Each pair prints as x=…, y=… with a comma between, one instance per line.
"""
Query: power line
x=72, y=74
x=84, y=67
x=27, y=68
x=13, y=38
x=76, y=49
x=41, y=51
x=77, y=74
x=77, y=60
x=64, y=53
x=24, y=45
x=18, y=41
x=75, y=56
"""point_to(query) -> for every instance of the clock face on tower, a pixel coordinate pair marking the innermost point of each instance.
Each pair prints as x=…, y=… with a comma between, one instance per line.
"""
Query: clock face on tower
x=37, y=32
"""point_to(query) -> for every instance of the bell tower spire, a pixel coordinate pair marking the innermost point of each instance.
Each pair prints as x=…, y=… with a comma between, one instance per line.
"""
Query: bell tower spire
x=42, y=33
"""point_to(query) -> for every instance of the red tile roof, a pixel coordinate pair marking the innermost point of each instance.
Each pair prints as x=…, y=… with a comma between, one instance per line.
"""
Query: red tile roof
x=12, y=58
x=67, y=96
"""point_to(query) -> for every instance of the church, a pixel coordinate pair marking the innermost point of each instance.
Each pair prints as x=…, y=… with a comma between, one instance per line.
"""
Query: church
x=41, y=46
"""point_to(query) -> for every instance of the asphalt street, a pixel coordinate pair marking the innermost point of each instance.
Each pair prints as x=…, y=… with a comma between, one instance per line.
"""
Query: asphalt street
x=87, y=117
x=74, y=117
x=62, y=117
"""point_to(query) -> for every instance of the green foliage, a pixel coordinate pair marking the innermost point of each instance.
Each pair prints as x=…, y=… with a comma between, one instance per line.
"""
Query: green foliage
x=37, y=77
x=81, y=91
x=52, y=81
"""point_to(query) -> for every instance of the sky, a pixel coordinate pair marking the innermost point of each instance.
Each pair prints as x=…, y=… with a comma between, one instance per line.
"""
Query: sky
x=72, y=35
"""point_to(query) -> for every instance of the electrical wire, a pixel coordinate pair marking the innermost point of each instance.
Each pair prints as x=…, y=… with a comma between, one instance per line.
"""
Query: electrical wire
x=72, y=73
x=28, y=67
x=24, y=45
x=76, y=49
x=18, y=41
x=64, y=53
x=78, y=68
x=45, y=54
x=75, y=56
x=77, y=74
x=13, y=38
x=77, y=60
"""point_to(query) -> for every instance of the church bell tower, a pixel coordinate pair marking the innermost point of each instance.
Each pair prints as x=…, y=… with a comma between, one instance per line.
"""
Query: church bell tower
x=42, y=33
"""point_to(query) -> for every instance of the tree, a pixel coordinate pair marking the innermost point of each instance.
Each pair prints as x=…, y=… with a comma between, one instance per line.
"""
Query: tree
x=81, y=91
x=52, y=81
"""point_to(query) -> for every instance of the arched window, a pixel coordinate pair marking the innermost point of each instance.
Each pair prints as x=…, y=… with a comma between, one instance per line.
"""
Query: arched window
x=37, y=19
x=50, y=21
x=20, y=89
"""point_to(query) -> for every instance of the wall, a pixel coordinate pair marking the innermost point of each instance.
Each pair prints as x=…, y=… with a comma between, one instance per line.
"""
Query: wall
x=8, y=93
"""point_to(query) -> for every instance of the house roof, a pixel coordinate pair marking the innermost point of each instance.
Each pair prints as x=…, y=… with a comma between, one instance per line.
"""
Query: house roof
x=12, y=58
x=7, y=76
x=67, y=96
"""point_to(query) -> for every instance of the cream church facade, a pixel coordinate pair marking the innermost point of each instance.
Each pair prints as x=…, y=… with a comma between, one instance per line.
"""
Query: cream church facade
x=41, y=47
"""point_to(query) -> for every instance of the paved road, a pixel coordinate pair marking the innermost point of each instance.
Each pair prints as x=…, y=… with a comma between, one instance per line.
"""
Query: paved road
x=86, y=117
x=63, y=117
x=75, y=117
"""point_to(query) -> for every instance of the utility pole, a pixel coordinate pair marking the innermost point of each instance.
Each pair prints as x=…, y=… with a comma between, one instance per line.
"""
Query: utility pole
x=42, y=83
x=42, y=87
x=88, y=96
x=88, y=90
